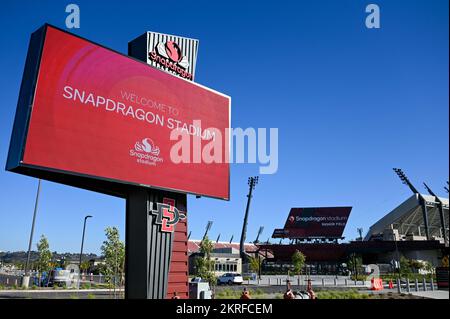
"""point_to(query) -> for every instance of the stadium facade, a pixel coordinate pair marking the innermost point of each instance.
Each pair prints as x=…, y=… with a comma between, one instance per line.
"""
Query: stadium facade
x=415, y=229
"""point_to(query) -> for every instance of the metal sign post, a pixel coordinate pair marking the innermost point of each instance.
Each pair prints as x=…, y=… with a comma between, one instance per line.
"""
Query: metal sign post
x=151, y=217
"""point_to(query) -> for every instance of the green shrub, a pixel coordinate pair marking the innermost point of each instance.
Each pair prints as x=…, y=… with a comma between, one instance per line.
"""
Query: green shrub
x=346, y=294
x=359, y=277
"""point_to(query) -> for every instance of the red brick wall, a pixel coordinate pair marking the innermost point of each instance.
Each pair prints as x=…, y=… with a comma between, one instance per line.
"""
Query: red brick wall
x=178, y=273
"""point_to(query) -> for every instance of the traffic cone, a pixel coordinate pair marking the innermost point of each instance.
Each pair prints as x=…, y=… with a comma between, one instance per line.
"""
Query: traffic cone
x=391, y=284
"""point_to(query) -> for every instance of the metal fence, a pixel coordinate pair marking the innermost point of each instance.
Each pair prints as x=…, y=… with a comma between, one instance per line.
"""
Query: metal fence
x=405, y=285
x=84, y=281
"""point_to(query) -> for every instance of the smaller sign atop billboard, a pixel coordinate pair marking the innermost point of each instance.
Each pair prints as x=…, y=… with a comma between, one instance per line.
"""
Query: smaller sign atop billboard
x=173, y=54
x=316, y=222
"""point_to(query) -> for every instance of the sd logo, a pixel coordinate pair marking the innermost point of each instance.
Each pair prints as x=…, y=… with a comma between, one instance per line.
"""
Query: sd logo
x=167, y=215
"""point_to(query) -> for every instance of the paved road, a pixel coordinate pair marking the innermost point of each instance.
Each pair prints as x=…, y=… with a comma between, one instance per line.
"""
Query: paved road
x=61, y=294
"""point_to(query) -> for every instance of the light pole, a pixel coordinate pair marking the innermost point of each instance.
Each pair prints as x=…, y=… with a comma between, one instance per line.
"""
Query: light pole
x=26, y=278
x=422, y=200
x=82, y=239
x=208, y=227
x=252, y=181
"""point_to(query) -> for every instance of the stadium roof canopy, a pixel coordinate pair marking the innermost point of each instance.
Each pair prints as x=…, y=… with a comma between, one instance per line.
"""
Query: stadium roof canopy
x=407, y=218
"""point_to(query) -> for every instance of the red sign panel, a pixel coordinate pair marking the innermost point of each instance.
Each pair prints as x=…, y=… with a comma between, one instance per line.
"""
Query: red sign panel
x=104, y=115
x=327, y=222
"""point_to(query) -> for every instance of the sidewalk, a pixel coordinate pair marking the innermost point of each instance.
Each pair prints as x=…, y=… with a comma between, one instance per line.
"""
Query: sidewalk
x=436, y=294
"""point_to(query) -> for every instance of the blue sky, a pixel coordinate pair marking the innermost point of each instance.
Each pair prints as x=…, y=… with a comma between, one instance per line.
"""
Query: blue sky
x=350, y=103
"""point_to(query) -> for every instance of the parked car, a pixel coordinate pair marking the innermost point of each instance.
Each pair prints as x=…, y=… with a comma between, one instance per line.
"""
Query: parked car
x=230, y=279
x=197, y=279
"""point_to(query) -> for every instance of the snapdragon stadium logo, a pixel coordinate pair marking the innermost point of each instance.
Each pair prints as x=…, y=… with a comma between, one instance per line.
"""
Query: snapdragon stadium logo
x=170, y=56
x=167, y=216
x=146, y=152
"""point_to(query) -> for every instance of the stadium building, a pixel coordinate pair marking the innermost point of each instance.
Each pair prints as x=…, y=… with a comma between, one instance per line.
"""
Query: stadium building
x=416, y=229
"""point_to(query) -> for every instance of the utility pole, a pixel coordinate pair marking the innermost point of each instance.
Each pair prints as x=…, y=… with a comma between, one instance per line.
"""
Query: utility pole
x=441, y=213
x=252, y=181
x=26, y=278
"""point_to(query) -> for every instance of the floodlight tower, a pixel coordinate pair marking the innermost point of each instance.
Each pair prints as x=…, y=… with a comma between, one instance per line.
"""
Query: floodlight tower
x=440, y=205
x=208, y=227
x=218, y=237
x=231, y=239
x=259, y=234
x=189, y=236
x=446, y=188
x=360, y=231
x=422, y=200
x=252, y=181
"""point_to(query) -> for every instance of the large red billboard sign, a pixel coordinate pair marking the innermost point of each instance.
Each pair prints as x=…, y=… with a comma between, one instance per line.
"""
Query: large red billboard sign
x=318, y=222
x=101, y=115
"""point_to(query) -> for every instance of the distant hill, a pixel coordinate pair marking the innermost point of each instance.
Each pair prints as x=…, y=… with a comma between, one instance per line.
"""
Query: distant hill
x=13, y=257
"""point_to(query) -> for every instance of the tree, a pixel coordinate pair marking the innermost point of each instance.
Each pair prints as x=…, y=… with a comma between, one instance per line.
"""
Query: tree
x=113, y=251
x=298, y=260
x=254, y=264
x=204, y=264
x=405, y=267
x=354, y=264
x=45, y=255
x=429, y=268
x=85, y=265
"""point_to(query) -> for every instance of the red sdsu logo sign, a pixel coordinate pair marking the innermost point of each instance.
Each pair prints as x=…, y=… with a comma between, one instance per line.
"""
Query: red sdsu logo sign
x=170, y=56
x=167, y=215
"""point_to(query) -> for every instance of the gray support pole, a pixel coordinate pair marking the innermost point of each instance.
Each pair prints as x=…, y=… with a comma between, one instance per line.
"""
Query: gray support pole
x=417, y=284
x=27, y=264
x=424, y=283
x=244, y=225
x=408, y=289
x=441, y=214
x=443, y=225
x=147, y=249
x=425, y=219
x=399, y=286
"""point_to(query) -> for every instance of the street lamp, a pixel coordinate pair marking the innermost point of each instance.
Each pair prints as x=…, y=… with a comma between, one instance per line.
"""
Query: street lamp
x=26, y=278
x=82, y=239
x=252, y=181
